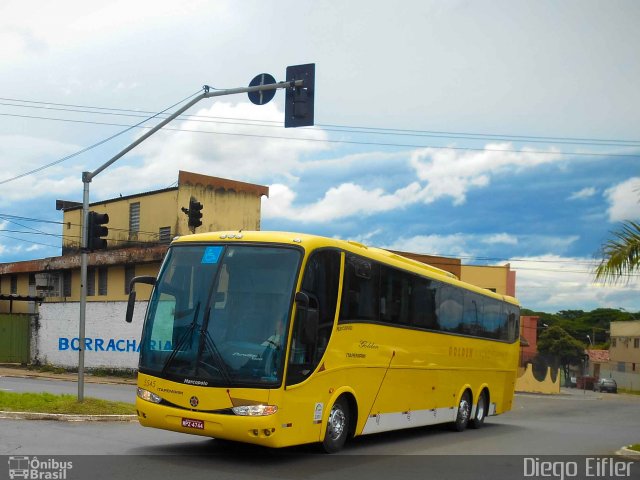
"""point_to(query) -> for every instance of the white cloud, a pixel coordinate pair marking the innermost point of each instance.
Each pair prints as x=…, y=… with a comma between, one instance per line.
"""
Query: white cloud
x=501, y=238
x=447, y=173
x=452, y=173
x=345, y=200
x=551, y=283
x=586, y=192
x=624, y=200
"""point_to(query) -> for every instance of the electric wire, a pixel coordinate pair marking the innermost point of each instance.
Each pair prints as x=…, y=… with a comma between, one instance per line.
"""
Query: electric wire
x=315, y=140
x=398, y=131
x=101, y=142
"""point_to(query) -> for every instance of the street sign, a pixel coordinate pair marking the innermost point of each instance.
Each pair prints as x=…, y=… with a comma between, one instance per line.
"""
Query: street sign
x=263, y=96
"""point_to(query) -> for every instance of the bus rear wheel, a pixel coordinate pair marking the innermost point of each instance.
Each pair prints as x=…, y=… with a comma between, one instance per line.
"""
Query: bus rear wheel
x=464, y=413
x=337, y=426
x=481, y=411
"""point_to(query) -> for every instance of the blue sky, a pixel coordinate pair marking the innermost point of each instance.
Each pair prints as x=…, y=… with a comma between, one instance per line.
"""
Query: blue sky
x=505, y=131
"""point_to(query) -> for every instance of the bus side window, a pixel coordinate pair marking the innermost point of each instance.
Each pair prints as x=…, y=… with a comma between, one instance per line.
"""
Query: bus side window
x=450, y=307
x=423, y=303
x=361, y=291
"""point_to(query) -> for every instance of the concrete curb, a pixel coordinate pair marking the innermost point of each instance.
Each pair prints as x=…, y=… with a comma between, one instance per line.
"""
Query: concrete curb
x=61, y=417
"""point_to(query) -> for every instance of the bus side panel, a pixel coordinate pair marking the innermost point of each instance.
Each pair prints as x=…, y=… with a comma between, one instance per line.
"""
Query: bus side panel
x=305, y=407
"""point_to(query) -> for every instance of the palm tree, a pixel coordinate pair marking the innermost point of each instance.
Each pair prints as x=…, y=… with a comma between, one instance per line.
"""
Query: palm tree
x=621, y=254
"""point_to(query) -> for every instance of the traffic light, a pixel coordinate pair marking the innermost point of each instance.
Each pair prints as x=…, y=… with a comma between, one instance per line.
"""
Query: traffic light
x=298, y=106
x=195, y=214
x=96, y=230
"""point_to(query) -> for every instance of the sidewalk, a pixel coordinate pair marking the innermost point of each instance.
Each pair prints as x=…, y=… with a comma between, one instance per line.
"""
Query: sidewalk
x=15, y=370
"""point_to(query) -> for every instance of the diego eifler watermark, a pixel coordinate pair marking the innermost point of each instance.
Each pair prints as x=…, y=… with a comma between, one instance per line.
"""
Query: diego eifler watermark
x=34, y=468
x=589, y=467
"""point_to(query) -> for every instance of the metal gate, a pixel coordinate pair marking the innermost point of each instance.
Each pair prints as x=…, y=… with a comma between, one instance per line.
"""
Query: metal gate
x=14, y=338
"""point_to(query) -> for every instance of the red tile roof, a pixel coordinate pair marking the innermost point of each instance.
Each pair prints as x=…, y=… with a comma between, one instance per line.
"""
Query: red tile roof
x=598, y=356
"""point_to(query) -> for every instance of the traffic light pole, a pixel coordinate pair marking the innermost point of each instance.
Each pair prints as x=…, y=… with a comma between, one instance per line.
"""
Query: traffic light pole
x=88, y=176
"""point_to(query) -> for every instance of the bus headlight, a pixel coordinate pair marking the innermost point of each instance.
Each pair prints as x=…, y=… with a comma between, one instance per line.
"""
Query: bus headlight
x=148, y=396
x=255, y=410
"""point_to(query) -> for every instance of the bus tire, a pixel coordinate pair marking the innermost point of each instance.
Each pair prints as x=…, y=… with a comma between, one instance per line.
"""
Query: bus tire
x=337, y=426
x=481, y=411
x=464, y=413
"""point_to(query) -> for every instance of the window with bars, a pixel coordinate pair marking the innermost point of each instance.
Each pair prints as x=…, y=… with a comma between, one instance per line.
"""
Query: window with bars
x=91, y=282
x=165, y=235
x=134, y=220
x=14, y=284
x=102, y=280
x=66, y=283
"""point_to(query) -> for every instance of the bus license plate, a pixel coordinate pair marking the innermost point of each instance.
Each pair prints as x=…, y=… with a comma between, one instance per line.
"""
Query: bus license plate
x=192, y=423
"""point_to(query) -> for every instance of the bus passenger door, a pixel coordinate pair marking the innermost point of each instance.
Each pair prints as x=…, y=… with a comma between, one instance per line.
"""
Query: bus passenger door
x=312, y=327
x=316, y=311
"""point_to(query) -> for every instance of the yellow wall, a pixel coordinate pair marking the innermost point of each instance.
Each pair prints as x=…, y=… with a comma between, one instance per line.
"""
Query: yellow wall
x=156, y=210
x=527, y=382
x=222, y=209
x=486, y=277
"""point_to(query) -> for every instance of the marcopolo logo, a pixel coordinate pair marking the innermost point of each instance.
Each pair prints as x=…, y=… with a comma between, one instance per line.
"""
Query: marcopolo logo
x=38, y=469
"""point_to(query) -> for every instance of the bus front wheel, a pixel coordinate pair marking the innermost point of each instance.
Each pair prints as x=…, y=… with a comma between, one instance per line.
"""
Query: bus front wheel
x=337, y=426
x=464, y=413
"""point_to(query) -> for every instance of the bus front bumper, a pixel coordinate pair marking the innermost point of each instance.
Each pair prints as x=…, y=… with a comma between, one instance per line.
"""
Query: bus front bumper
x=259, y=430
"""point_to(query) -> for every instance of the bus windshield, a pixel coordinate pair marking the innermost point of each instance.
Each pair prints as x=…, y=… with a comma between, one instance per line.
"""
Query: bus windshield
x=218, y=315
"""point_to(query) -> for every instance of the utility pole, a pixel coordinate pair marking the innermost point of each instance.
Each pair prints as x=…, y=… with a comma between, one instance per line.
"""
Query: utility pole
x=299, y=112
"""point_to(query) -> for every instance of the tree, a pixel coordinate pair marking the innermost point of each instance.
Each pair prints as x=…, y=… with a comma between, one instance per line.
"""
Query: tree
x=560, y=349
x=621, y=254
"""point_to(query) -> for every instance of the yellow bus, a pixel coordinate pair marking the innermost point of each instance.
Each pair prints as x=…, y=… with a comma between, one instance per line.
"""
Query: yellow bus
x=281, y=339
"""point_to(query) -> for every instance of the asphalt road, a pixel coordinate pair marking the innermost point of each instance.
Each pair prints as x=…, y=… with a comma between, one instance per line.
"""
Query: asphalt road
x=576, y=423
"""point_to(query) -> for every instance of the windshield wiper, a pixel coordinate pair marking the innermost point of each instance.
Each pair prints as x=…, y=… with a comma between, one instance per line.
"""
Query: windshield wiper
x=207, y=340
x=182, y=340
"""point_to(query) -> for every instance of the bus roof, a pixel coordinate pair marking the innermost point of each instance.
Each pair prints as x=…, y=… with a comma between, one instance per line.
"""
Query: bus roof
x=315, y=241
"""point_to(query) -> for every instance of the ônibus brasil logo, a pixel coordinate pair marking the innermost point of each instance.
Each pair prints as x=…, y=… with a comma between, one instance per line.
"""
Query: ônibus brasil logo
x=38, y=469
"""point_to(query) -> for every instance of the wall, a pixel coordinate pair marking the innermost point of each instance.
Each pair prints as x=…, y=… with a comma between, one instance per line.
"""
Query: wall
x=493, y=278
x=627, y=380
x=529, y=330
x=112, y=342
x=527, y=382
x=222, y=209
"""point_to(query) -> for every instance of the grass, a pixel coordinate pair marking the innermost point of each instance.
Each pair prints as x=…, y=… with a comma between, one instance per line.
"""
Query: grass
x=49, y=403
x=635, y=447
